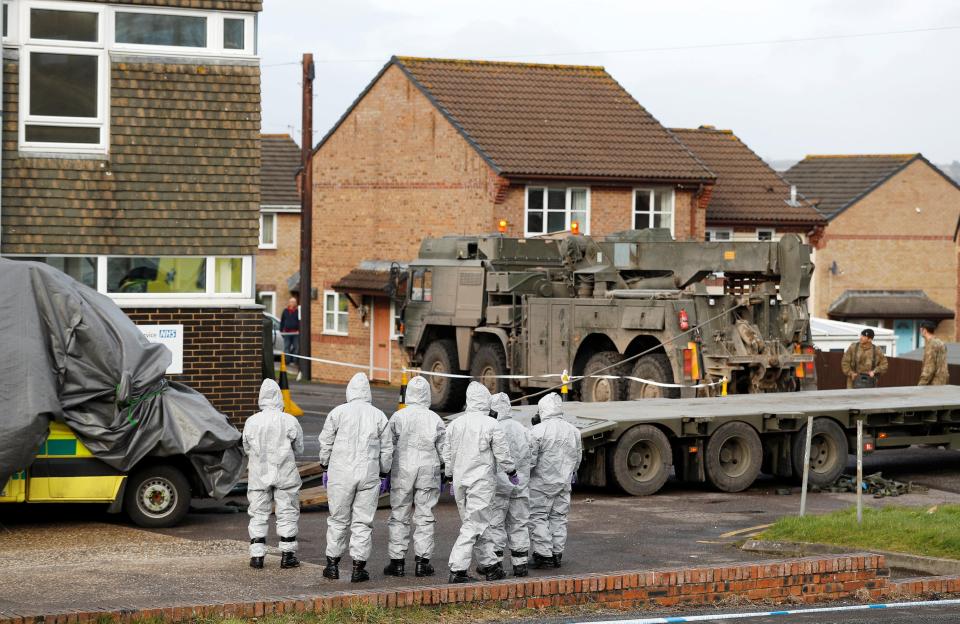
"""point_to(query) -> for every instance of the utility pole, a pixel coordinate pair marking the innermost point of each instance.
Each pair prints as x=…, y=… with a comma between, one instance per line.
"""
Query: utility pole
x=306, y=215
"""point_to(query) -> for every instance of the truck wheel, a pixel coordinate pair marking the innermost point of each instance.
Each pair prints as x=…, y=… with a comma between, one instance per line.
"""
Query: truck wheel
x=593, y=390
x=828, y=452
x=655, y=367
x=156, y=496
x=734, y=457
x=642, y=460
x=489, y=362
x=447, y=392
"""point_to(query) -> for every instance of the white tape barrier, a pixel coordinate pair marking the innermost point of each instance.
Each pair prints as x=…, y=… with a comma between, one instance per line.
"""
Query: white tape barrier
x=571, y=379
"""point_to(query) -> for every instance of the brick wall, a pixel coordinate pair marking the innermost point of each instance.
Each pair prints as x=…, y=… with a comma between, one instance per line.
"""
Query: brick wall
x=883, y=242
x=275, y=266
x=222, y=348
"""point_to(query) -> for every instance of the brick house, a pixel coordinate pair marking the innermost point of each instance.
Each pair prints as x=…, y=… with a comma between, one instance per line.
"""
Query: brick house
x=130, y=159
x=888, y=256
x=278, y=256
x=434, y=147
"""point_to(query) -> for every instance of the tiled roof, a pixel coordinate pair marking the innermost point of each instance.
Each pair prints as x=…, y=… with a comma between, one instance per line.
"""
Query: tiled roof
x=364, y=281
x=279, y=163
x=884, y=304
x=215, y=5
x=747, y=190
x=552, y=120
x=835, y=182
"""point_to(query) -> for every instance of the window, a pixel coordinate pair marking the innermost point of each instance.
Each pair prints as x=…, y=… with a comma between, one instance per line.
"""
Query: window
x=719, y=235
x=268, y=299
x=81, y=268
x=162, y=29
x=228, y=275
x=653, y=208
x=233, y=34
x=268, y=230
x=556, y=209
x=394, y=321
x=766, y=234
x=335, y=313
x=63, y=74
x=157, y=275
x=421, y=288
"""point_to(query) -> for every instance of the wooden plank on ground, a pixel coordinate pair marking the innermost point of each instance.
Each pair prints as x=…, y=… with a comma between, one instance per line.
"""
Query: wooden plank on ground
x=313, y=496
x=310, y=469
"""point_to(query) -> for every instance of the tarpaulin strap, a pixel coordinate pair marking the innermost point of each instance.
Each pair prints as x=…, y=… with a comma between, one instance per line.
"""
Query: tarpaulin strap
x=137, y=400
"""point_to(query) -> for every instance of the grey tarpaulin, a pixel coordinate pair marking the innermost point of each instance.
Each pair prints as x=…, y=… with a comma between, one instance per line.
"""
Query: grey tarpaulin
x=68, y=353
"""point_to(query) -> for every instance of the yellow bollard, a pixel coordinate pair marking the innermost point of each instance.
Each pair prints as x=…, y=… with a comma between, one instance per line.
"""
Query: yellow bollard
x=402, y=401
x=288, y=405
x=723, y=387
x=564, y=389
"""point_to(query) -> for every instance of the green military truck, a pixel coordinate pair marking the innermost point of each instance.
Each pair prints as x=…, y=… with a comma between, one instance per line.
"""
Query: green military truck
x=517, y=312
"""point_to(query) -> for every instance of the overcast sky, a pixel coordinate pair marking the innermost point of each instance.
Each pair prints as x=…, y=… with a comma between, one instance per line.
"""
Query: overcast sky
x=869, y=94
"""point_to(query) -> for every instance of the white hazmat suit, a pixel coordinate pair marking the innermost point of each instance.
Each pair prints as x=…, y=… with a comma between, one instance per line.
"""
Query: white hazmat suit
x=271, y=440
x=511, y=506
x=557, y=450
x=418, y=435
x=356, y=447
x=475, y=447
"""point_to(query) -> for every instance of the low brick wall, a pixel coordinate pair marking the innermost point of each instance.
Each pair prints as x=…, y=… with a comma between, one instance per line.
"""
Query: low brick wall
x=807, y=580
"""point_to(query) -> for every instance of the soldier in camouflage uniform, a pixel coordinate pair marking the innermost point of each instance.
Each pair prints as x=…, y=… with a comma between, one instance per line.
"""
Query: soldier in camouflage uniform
x=935, y=371
x=864, y=358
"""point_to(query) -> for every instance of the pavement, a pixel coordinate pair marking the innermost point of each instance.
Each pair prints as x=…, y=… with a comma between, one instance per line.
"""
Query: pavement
x=81, y=550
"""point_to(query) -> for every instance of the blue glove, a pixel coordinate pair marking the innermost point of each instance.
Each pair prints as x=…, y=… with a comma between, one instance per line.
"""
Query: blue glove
x=384, y=485
x=514, y=478
x=326, y=476
x=573, y=479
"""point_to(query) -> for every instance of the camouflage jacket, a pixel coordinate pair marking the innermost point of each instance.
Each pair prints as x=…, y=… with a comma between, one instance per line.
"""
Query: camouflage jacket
x=859, y=359
x=935, y=371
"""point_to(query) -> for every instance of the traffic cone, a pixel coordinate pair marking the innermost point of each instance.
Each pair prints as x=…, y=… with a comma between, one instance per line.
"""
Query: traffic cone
x=288, y=405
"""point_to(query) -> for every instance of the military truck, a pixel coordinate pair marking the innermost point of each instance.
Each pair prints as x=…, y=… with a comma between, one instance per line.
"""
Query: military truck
x=518, y=312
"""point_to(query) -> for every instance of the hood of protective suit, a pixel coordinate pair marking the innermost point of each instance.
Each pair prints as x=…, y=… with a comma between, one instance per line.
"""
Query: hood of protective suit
x=270, y=396
x=359, y=389
x=550, y=406
x=500, y=403
x=478, y=397
x=418, y=392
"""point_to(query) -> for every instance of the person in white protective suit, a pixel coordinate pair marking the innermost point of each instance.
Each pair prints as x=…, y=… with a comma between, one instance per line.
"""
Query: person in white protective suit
x=418, y=435
x=271, y=440
x=356, y=451
x=557, y=450
x=475, y=448
x=511, y=505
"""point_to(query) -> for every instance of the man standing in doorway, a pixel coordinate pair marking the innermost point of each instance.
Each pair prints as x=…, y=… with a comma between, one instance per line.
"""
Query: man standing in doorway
x=290, y=326
x=864, y=362
x=935, y=371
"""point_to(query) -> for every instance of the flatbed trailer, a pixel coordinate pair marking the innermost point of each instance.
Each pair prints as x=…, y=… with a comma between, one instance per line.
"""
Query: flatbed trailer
x=730, y=440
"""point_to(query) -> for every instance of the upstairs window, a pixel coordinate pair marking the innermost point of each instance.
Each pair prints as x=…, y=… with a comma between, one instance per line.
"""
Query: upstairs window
x=551, y=210
x=268, y=230
x=653, y=208
x=161, y=29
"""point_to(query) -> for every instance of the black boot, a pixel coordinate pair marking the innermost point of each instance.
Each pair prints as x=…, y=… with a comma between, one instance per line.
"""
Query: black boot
x=395, y=568
x=539, y=561
x=359, y=573
x=256, y=563
x=332, y=571
x=424, y=567
x=520, y=570
x=556, y=559
x=289, y=560
x=494, y=572
x=460, y=576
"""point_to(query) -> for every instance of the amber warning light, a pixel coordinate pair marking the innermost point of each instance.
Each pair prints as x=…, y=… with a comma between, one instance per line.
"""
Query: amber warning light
x=574, y=227
x=502, y=226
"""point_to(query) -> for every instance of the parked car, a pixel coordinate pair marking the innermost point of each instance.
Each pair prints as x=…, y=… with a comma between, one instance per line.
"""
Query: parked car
x=277, y=338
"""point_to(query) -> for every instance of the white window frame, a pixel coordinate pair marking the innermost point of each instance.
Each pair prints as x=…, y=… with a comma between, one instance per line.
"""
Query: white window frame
x=80, y=7
x=336, y=302
x=272, y=310
x=713, y=232
x=393, y=321
x=584, y=227
x=215, y=31
x=773, y=233
x=653, y=190
x=272, y=245
x=13, y=22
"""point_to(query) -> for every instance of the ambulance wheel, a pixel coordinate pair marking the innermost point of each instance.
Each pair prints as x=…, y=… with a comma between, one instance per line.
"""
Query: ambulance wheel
x=642, y=460
x=600, y=390
x=828, y=452
x=734, y=457
x=157, y=496
x=489, y=363
x=447, y=393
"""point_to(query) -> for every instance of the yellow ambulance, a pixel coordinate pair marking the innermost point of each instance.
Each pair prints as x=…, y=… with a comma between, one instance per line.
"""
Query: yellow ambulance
x=156, y=493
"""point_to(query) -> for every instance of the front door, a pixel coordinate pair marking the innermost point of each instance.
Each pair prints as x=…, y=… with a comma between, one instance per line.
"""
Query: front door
x=905, y=331
x=381, y=338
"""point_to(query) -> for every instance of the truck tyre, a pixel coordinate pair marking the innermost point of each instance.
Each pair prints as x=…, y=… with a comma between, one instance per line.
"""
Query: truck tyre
x=490, y=361
x=828, y=452
x=594, y=390
x=642, y=460
x=734, y=457
x=655, y=367
x=156, y=496
x=447, y=392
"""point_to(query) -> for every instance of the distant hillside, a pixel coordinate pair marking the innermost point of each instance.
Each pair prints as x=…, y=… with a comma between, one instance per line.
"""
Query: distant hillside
x=952, y=170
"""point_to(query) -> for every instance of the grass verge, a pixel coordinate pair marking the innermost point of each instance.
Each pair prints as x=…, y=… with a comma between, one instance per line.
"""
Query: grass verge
x=927, y=531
